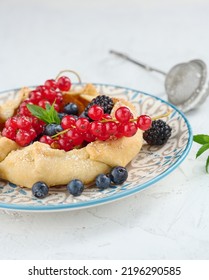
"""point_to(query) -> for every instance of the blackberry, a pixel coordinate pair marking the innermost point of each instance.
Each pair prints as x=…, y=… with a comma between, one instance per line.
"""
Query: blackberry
x=102, y=100
x=158, y=134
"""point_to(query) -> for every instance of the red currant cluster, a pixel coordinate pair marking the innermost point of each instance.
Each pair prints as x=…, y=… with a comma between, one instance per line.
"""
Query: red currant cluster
x=103, y=127
x=49, y=93
x=24, y=127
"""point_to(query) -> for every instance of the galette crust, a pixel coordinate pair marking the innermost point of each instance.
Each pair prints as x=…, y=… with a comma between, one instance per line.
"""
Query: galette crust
x=6, y=146
x=8, y=108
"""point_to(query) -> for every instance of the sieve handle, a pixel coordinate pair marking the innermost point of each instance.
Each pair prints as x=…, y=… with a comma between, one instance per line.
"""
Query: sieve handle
x=145, y=66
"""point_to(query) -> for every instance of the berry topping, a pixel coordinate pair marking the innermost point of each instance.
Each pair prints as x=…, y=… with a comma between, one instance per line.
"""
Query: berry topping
x=82, y=125
x=103, y=101
x=123, y=114
x=23, y=110
x=118, y=175
x=24, y=122
x=40, y=189
x=51, y=84
x=89, y=137
x=95, y=112
x=103, y=181
x=52, y=129
x=64, y=83
x=75, y=137
x=144, y=122
x=9, y=132
x=158, y=134
x=35, y=96
x=61, y=115
x=43, y=102
x=71, y=109
x=23, y=137
x=75, y=187
x=65, y=143
x=46, y=139
x=68, y=122
x=44, y=116
x=129, y=129
x=96, y=128
x=11, y=122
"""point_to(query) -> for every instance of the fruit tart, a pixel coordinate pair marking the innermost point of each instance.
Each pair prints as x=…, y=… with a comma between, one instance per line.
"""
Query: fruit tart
x=53, y=135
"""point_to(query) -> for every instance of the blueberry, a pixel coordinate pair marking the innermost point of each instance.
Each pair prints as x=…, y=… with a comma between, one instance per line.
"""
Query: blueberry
x=61, y=115
x=40, y=189
x=52, y=129
x=103, y=181
x=118, y=175
x=71, y=109
x=75, y=187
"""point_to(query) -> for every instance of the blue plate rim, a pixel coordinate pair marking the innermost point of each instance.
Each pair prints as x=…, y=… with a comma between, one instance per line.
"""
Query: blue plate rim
x=117, y=196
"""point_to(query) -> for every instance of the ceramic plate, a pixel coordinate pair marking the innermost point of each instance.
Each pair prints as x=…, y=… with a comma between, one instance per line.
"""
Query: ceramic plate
x=150, y=165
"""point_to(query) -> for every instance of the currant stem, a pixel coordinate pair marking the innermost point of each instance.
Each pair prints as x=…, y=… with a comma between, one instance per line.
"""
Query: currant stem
x=69, y=71
x=60, y=133
x=133, y=120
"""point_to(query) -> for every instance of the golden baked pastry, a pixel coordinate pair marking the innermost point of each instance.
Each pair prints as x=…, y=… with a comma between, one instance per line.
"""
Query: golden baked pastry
x=28, y=164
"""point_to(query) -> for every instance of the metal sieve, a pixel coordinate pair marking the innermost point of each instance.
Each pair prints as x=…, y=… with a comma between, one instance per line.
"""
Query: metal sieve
x=186, y=84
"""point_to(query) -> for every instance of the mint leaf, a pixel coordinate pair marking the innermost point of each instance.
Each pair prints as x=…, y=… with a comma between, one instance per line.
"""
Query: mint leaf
x=201, y=139
x=202, y=149
x=207, y=165
x=48, y=115
x=54, y=115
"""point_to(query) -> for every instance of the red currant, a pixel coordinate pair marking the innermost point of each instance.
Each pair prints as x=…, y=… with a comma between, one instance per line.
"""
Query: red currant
x=144, y=122
x=111, y=128
x=104, y=136
x=129, y=129
x=50, y=95
x=89, y=137
x=82, y=125
x=64, y=83
x=23, y=110
x=43, y=103
x=58, y=98
x=65, y=144
x=23, y=138
x=120, y=130
x=11, y=122
x=68, y=122
x=123, y=114
x=32, y=133
x=51, y=84
x=24, y=122
x=37, y=124
x=95, y=112
x=41, y=89
x=75, y=136
x=96, y=128
x=9, y=132
x=46, y=139
x=35, y=96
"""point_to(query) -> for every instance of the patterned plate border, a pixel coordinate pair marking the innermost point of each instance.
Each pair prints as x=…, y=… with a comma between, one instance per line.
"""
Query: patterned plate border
x=116, y=196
